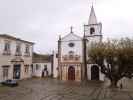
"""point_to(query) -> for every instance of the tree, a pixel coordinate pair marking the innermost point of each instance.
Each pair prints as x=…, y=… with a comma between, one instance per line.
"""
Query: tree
x=115, y=57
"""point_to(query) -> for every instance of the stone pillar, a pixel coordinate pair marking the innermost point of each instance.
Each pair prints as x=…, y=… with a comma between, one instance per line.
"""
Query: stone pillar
x=63, y=73
x=59, y=59
x=84, y=66
x=89, y=71
x=77, y=72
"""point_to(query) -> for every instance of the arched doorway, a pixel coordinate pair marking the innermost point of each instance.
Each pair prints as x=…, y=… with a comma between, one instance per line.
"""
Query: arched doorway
x=71, y=73
x=94, y=72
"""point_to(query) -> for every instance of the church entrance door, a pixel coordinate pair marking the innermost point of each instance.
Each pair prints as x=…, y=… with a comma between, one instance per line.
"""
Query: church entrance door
x=71, y=73
x=94, y=72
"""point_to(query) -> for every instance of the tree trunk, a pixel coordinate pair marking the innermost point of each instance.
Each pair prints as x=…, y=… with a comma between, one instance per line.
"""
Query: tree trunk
x=113, y=83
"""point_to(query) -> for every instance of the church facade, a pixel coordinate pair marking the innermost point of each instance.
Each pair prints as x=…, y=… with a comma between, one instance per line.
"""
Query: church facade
x=73, y=59
x=70, y=57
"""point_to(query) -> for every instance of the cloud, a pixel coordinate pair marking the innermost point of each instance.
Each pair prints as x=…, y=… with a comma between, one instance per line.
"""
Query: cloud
x=41, y=21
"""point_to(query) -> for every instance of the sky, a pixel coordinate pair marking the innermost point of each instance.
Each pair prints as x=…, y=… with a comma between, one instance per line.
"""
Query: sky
x=42, y=21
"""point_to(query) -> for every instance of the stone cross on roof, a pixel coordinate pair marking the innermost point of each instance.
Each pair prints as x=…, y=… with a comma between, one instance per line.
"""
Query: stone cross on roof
x=71, y=29
x=92, y=2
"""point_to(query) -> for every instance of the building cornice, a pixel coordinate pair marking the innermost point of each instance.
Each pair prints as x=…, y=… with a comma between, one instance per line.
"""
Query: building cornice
x=14, y=38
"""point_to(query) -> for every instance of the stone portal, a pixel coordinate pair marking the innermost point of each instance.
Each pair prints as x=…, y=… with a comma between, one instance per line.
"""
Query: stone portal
x=71, y=73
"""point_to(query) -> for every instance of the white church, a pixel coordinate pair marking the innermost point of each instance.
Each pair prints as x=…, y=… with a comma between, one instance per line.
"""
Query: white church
x=73, y=62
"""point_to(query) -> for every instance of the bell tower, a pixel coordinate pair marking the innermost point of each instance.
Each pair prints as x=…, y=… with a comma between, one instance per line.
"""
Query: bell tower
x=92, y=34
x=93, y=31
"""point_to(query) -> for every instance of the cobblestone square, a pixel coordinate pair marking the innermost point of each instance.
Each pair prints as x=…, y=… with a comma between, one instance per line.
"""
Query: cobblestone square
x=52, y=89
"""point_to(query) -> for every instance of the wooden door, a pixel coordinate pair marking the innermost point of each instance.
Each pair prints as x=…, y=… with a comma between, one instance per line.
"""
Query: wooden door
x=94, y=72
x=71, y=73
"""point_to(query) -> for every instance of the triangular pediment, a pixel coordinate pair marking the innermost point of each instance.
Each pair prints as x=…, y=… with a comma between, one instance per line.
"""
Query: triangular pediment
x=71, y=37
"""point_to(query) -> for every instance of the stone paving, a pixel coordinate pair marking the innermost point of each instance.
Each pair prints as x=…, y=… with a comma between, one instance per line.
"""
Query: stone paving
x=52, y=89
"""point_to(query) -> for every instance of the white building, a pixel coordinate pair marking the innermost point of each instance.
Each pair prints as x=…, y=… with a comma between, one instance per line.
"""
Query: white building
x=42, y=65
x=92, y=34
x=70, y=57
x=73, y=60
x=55, y=65
x=15, y=58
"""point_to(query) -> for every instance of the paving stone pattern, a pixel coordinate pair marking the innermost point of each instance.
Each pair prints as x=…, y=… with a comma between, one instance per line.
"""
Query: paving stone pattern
x=52, y=89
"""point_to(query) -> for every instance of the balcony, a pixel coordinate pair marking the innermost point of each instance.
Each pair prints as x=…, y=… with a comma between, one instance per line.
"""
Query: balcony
x=18, y=54
x=71, y=58
x=27, y=54
x=7, y=53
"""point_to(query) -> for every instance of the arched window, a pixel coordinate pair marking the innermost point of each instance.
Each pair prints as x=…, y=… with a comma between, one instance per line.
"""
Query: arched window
x=71, y=55
x=92, y=30
x=71, y=52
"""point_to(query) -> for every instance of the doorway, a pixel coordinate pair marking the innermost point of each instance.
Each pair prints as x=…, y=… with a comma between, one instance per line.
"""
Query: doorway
x=71, y=73
x=16, y=71
x=94, y=72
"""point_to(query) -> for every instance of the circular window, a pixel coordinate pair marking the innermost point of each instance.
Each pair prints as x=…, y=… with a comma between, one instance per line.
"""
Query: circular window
x=71, y=44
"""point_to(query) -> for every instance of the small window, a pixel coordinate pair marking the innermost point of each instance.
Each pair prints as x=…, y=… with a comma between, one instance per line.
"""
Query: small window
x=18, y=49
x=92, y=30
x=57, y=55
x=71, y=55
x=27, y=49
x=71, y=52
x=45, y=67
x=26, y=68
x=5, y=71
x=76, y=57
x=37, y=66
x=65, y=57
x=7, y=46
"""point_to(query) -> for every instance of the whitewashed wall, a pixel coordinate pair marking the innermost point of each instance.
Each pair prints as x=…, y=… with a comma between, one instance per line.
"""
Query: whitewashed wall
x=55, y=65
x=97, y=27
x=38, y=72
x=101, y=75
x=78, y=47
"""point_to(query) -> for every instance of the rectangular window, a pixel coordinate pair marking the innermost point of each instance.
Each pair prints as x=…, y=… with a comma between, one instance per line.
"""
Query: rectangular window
x=71, y=57
x=45, y=67
x=5, y=72
x=18, y=49
x=65, y=57
x=27, y=50
x=37, y=66
x=26, y=68
x=32, y=68
x=77, y=58
x=6, y=48
x=57, y=55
